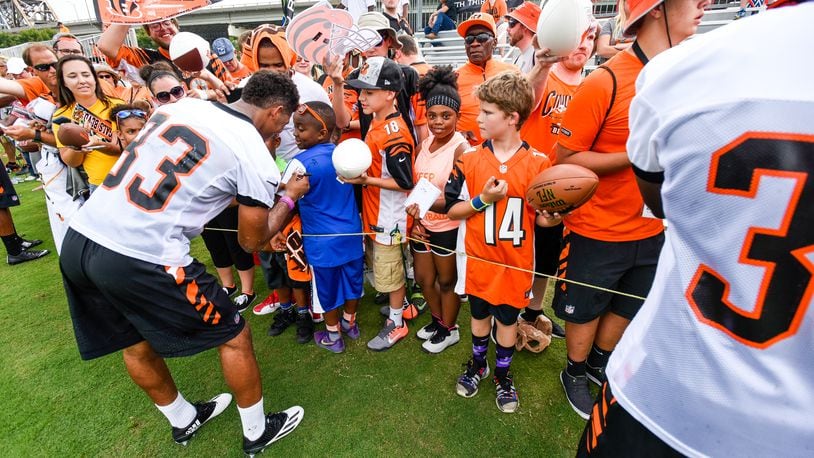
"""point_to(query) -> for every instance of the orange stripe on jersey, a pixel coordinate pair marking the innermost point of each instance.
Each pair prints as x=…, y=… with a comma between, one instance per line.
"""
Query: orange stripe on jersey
x=216, y=318
x=192, y=292
x=208, y=312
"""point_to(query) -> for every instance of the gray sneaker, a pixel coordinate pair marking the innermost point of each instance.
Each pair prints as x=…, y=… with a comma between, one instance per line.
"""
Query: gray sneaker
x=388, y=336
x=577, y=393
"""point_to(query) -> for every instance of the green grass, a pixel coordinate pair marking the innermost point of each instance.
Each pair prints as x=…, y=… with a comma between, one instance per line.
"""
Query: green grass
x=401, y=402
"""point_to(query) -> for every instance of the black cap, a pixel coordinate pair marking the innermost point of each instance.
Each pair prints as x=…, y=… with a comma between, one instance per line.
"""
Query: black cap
x=378, y=73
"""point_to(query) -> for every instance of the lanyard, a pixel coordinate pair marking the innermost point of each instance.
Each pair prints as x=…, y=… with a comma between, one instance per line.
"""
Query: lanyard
x=639, y=53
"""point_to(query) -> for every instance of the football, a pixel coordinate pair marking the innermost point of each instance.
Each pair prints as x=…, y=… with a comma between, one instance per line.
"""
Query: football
x=561, y=26
x=189, y=51
x=73, y=135
x=351, y=158
x=561, y=188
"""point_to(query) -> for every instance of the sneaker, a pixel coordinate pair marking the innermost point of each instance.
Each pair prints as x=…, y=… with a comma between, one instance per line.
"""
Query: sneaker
x=427, y=331
x=381, y=298
x=351, y=331
x=441, y=341
x=205, y=412
x=506, y=394
x=278, y=425
x=323, y=340
x=595, y=374
x=26, y=244
x=388, y=336
x=269, y=305
x=557, y=331
x=417, y=299
x=468, y=382
x=740, y=14
x=26, y=255
x=229, y=290
x=305, y=328
x=282, y=320
x=577, y=393
x=244, y=300
x=408, y=310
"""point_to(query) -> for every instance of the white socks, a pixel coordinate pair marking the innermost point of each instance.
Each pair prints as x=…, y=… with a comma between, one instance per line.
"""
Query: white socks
x=395, y=315
x=180, y=412
x=253, y=419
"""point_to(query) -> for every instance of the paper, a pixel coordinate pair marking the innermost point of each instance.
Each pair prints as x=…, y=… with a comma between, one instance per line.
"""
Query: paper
x=424, y=194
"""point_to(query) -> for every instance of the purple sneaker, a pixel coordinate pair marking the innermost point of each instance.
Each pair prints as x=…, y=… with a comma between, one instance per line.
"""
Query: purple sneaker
x=323, y=341
x=351, y=331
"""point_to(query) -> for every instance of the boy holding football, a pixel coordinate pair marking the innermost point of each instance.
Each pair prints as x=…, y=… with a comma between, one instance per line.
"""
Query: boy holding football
x=487, y=191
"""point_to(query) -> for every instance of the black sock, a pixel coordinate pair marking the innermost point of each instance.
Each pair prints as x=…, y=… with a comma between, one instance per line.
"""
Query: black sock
x=503, y=360
x=575, y=369
x=598, y=357
x=530, y=314
x=13, y=244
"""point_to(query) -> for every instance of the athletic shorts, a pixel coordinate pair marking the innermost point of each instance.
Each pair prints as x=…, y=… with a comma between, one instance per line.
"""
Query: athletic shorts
x=547, y=245
x=445, y=239
x=504, y=313
x=223, y=245
x=275, y=271
x=8, y=196
x=612, y=432
x=387, y=263
x=117, y=301
x=333, y=286
x=621, y=266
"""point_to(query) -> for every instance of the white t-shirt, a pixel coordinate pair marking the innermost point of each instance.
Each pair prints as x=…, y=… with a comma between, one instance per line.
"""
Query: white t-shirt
x=525, y=60
x=720, y=359
x=192, y=158
x=357, y=8
x=310, y=91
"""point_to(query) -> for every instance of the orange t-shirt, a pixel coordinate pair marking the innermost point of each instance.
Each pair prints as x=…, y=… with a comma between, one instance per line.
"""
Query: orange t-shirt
x=615, y=212
x=504, y=232
x=469, y=77
x=497, y=8
x=34, y=87
x=242, y=72
x=543, y=125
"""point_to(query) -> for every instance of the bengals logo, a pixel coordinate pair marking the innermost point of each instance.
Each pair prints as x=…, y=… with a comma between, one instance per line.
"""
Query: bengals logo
x=364, y=69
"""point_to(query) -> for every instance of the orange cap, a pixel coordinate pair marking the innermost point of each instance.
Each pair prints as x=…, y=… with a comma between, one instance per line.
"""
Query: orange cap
x=276, y=35
x=483, y=19
x=527, y=14
x=638, y=10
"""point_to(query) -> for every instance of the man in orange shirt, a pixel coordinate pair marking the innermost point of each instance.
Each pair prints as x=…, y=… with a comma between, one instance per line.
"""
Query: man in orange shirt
x=613, y=241
x=479, y=33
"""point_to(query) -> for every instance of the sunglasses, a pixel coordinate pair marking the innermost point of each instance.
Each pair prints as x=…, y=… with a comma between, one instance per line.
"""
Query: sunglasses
x=165, y=96
x=303, y=108
x=512, y=22
x=481, y=37
x=125, y=114
x=105, y=76
x=45, y=67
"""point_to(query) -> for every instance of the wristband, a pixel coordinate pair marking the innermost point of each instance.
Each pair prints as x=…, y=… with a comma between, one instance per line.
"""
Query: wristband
x=289, y=202
x=37, y=136
x=478, y=204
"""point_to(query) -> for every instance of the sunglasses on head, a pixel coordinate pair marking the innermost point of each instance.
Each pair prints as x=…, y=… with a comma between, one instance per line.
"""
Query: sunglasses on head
x=45, y=67
x=512, y=22
x=125, y=114
x=303, y=108
x=481, y=37
x=164, y=96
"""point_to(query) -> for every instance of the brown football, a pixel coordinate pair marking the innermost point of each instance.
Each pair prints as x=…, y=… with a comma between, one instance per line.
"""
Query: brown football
x=561, y=188
x=190, y=61
x=73, y=135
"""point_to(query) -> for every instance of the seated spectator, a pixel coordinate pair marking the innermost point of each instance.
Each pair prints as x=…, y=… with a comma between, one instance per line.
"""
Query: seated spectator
x=611, y=40
x=442, y=19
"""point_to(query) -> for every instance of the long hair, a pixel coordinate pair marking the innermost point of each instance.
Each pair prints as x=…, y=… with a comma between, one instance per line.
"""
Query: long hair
x=66, y=97
x=619, y=24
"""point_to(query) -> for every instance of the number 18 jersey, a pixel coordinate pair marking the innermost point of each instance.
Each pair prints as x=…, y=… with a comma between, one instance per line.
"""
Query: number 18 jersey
x=187, y=164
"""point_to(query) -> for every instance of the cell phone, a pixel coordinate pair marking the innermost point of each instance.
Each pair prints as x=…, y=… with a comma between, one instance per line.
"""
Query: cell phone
x=234, y=95
x=61, y=120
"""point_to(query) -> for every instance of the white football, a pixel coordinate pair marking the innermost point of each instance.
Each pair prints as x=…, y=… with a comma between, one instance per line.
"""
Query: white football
x=190, y=52
x=561, y=25
x=351, y=158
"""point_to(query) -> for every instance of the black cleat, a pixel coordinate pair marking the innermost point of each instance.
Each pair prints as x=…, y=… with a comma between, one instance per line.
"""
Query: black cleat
x=305, y=328
x=206, y=411
x=595, y=374
x=278, y=425
x=26, y=255
x=26, y=244
x=577, y=393
x=282, y=320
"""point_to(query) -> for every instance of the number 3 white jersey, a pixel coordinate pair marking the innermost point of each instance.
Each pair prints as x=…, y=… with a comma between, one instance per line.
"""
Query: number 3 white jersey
x=720, y=359
x=192, y=158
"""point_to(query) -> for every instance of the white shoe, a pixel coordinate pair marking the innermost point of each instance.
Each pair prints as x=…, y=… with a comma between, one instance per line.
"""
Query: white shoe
x=427, y=331
x=438, y=343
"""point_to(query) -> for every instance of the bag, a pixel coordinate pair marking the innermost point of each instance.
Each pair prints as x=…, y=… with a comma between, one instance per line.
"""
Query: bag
x=77, y=184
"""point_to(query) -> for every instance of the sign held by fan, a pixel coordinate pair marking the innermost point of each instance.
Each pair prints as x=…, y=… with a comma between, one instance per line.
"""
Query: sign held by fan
x=137, y=12
x=321, y=29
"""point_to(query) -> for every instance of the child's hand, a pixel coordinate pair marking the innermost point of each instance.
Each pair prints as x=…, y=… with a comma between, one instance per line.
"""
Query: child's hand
x=420, y=232
x=546, y=219
x=414, y=211
x=277, y=242
x=361, y=179
x=494, y=190
x=333, y=67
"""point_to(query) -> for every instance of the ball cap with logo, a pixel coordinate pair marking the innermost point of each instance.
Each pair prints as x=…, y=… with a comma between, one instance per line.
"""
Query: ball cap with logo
x=527, y=14
x=483, y=19
x=224, y=49
x=378, y=73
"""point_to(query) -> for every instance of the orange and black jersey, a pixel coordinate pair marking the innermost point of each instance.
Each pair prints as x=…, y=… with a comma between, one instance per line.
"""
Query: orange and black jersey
x=139, y=57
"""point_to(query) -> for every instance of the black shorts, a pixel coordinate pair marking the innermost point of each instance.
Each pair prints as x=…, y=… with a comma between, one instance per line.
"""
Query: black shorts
x=621, y=266
x=8, y=196
x=275, y=271
x=504, y=313
x=223, y=245
x=117, y=301
x=613, y=432
x=446, y=239
x=547, y=244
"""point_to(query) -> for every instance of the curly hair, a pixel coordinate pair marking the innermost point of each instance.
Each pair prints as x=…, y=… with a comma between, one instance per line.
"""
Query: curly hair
x=440, y=86
x=265, y=89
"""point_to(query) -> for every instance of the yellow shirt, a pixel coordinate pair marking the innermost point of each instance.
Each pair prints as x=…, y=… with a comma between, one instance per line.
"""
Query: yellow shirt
x=95, y=120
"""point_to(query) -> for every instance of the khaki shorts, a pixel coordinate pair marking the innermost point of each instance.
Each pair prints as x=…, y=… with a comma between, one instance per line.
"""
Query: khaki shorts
x=387, y=263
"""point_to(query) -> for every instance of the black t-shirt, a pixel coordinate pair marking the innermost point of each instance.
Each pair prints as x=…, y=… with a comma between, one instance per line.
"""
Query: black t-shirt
x=452, y=12
x=394, y=22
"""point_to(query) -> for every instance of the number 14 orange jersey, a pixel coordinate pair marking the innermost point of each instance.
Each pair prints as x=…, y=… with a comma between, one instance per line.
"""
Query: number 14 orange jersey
x=504, y=232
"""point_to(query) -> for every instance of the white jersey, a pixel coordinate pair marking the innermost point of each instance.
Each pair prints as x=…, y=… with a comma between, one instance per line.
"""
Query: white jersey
x=187, y=165
x=720, y=359
x=310, y=91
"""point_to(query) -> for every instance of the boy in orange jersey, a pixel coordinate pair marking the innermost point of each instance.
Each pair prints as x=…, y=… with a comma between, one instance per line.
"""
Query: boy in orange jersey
x=385, y=183
x=498, y=226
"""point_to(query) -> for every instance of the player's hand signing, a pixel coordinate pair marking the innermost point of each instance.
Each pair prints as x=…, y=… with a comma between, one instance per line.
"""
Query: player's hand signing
x=494, y=190
x=546, y=219
x=297, y=186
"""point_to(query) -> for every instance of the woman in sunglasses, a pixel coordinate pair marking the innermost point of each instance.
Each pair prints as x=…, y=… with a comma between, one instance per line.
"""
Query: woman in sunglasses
x=162, y=81
x=82, y=102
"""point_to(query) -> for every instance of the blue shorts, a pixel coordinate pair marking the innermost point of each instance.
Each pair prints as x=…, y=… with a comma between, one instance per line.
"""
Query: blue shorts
x=333, y=286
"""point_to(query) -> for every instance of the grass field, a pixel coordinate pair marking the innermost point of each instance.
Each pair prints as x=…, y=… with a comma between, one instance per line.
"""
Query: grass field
x=398, y=403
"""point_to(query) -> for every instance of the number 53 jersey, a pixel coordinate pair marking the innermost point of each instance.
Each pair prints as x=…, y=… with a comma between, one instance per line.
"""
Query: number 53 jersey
x=503, y=233
x=720, y=359
x=188, y=163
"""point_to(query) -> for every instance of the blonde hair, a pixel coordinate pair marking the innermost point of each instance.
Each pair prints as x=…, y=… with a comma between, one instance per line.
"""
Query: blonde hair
x=511, y=92
x=619, y=25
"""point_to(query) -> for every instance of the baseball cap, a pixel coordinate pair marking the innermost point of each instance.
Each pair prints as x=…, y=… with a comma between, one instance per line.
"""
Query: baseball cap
x=484, y=19
x=527, y=14
x=224, y=49
x=376, y=21
x=638, y=10
x=378, y=73
x=15, y=66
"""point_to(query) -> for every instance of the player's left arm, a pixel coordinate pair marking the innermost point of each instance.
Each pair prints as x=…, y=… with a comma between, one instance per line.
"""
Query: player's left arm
x=256, y=224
